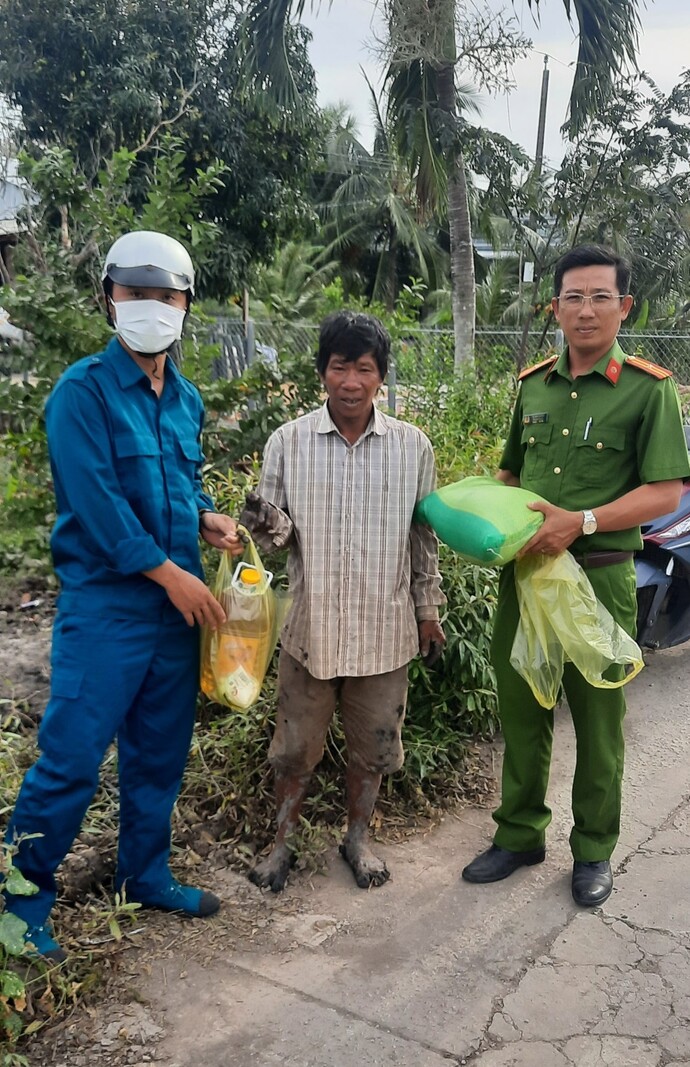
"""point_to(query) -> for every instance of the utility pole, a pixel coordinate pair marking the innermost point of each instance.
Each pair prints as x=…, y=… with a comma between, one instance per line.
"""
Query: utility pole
x=528, y=275
x=541, y=130
x=541, y=125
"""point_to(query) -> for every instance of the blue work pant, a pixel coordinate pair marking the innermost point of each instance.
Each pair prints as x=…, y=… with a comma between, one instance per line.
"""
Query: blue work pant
x=123, y=678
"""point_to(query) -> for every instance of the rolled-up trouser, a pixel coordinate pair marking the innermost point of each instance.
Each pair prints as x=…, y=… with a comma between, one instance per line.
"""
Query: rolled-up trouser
x=597, y=714
x=372, y=710
x=126, y=678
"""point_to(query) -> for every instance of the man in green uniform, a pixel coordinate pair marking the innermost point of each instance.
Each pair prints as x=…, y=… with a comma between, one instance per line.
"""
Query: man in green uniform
x=599, y=434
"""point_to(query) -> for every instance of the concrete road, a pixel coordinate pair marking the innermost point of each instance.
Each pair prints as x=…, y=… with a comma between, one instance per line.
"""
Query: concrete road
x=428, y=970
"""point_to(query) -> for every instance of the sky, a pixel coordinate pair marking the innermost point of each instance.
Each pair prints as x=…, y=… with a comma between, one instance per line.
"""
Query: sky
x=344, y=42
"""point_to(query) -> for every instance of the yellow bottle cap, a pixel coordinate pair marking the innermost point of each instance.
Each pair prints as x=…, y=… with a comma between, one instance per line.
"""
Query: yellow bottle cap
x=250, y=576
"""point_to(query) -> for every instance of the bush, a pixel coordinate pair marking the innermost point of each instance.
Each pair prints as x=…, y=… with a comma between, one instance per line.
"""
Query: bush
x=12, y=948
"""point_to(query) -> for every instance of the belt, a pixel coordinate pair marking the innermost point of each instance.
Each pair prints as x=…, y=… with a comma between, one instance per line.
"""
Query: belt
x=602, y=559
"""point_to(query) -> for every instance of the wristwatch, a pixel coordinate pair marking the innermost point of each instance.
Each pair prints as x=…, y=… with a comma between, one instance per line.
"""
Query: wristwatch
x=589, y=522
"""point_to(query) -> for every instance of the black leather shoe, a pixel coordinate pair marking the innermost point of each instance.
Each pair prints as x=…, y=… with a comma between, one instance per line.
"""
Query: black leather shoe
x=497, y=863
x=592, y=883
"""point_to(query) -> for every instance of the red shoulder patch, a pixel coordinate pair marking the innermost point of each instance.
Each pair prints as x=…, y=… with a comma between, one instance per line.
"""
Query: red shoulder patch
x=649, y=368
x=537, y=366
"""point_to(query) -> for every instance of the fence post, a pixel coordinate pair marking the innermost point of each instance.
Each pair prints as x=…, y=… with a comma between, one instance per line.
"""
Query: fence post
x=249, y=342
x=392, y=381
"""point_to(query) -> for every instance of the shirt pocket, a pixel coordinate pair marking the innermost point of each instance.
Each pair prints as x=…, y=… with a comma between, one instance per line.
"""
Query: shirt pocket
x=188, y=459
x=138, y=465
x=535, y=441
x=599, y=459
x=191, y=450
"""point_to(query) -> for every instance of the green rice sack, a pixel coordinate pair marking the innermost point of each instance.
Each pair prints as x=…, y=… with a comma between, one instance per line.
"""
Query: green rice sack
x=482, y=519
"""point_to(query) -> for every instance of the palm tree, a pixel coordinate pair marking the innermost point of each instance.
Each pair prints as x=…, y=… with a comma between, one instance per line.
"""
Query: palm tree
x=372, y=210
x=608, y=34
x=291, y=287
x=425, y=104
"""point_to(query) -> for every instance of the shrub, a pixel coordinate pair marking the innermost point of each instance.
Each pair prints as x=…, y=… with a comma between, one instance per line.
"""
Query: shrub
x=12, y=948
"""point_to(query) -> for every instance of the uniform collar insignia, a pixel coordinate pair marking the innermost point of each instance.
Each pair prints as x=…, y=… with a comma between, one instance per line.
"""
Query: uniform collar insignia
x=613, y=370
x=611, y=364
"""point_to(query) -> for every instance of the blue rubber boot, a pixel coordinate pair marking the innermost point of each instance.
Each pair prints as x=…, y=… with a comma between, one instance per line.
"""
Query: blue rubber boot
x=42, y=945
x=176, y=897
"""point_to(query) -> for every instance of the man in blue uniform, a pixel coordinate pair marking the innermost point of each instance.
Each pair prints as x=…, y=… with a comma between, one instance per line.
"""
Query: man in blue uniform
x=124, y=432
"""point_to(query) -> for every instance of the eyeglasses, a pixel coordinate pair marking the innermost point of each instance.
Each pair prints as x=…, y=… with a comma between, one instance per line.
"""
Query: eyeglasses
x=598, y=300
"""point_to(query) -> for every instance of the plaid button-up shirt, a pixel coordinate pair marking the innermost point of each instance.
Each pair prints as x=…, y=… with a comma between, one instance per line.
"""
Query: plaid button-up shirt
x=361, y=573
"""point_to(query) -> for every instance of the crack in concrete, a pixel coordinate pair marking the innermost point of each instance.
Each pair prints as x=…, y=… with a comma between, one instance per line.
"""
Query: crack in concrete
x=446, y=1054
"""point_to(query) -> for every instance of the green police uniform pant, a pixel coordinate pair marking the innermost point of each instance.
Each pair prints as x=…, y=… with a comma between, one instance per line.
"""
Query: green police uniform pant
x=527, y=728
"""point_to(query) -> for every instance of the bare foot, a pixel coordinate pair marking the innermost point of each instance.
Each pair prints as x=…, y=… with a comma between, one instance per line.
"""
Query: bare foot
x=367, y=868
x=272, y=872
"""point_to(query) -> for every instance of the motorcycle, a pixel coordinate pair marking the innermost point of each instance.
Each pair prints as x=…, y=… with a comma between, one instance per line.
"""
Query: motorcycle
x=662, y=570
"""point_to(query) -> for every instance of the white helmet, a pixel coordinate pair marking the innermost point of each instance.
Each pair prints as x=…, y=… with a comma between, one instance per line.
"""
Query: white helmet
x=147, y=258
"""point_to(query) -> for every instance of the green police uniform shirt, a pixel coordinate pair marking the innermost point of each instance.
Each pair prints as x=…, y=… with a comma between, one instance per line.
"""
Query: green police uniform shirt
x=585, y=442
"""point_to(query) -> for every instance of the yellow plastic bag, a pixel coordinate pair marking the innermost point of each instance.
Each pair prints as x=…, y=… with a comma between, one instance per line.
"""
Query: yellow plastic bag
x=235, y=657
x=561, y=621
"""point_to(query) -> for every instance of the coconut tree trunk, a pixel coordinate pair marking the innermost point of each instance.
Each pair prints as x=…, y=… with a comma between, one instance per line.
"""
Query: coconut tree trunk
x=392, y=272
x=463, y=291
x=462, y=285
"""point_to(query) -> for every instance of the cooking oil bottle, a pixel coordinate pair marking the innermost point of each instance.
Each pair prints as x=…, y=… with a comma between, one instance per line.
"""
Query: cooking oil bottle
x=235, y=661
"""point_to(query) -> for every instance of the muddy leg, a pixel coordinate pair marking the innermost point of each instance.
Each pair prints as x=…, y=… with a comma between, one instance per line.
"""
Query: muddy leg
x=362, y=791
x=271, y=872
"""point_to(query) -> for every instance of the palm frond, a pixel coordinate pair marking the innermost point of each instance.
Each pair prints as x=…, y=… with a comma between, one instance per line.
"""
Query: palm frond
x=262, y=52
x=608, y=39
x=344, y=150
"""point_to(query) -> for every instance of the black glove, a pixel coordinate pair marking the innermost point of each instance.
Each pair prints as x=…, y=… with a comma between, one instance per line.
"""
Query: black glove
x=258, y=516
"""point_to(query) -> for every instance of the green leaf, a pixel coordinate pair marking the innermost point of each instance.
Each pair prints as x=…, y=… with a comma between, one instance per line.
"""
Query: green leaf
x=12, y=930
x=16, y=883
x=11, y=985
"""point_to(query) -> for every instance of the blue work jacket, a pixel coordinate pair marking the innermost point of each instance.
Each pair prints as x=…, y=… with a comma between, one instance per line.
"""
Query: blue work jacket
x=126, y=468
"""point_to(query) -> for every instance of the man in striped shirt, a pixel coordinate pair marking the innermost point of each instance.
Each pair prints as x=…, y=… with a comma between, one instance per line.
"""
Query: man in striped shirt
x=339, y=487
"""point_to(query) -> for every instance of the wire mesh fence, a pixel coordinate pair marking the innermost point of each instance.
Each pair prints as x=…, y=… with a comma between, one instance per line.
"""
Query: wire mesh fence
x=415, y=354
x=267, y=341
x=423, y=350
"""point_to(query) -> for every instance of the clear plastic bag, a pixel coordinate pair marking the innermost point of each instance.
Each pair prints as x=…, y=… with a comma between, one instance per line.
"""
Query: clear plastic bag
x=561, y=621
x=236, y=656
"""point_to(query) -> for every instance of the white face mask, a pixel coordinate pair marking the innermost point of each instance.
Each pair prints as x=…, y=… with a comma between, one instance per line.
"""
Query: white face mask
x=148, y=326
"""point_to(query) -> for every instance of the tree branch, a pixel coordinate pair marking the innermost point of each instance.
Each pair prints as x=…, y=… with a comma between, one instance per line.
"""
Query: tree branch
x=185, y=96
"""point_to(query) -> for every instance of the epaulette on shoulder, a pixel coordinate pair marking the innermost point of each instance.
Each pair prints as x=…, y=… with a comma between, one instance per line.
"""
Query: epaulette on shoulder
x=81, y=369
x=649, y=368
x=537, y=366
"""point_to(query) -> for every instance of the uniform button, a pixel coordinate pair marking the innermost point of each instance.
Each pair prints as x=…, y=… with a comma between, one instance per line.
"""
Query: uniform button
x=574, y=395
x=565, y=432
x=600, y=445
x=556, y=470
x=531, y=441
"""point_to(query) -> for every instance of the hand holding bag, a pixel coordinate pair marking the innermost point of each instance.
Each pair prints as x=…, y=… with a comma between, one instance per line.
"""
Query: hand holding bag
x=236, y=656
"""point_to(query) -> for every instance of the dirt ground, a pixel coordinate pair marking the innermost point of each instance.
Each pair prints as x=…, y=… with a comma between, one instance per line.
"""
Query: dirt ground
x=26, y=617
x=101, y=1015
